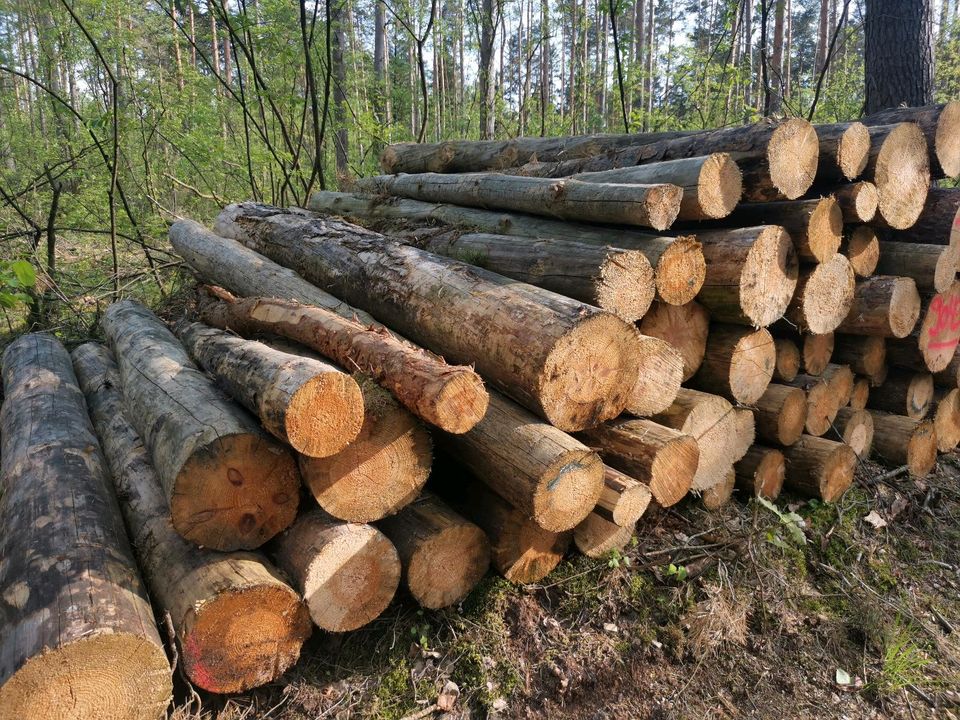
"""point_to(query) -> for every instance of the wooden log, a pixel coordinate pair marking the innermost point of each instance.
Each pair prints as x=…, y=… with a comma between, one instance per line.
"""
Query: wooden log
x=938, y=333
x=938, y=223
x=576, y=366
x=683, y=327
x=230, y=486
x=659, y=377
x=884, y=306
x=716, y=496
x=79, y=637
x=817, y=352
x=860, y=394
x=821, y=404
x=449, y=396
x=823, y=296
x=949, y=377
x=751, y=274
x=651, y=206
x=844, y=150
x=613, y=279
x=899, y=440
x=862, y=249
x=238, y=625
x=946, y=419
x=858, y=201
x=623, y=500
x=664, y=459
x=781, y=414
x=443, y=555
x=819, y=468
x=678, y=263
x=941, y=126
x=900, y=168
x=904, y=393
x=933, y=268
x=596, y=537
x=313, y=406
x=738, y=363
x=865, y=354
x=540, y=470
x=346, y=572
x=760, y=473
x=840, y=379
x=855, y=428
x=788, y=360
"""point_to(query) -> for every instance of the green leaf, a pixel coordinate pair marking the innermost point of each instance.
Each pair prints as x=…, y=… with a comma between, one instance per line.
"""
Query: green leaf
x=24, y=273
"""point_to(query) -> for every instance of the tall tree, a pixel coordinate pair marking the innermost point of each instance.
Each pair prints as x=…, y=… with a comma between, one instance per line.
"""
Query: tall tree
x=488, y=90
x=898, y=53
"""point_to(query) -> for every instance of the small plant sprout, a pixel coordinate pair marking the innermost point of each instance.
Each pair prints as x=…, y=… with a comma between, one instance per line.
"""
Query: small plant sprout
x=791, y=522
x=679, y=572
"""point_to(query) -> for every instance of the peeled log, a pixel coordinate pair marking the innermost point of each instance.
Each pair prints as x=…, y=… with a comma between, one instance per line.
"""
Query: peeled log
x=230, y=486
x=941, y=126
x=79, y=637
x=855, y=428
x=237, y=624
x=751, y=274
x=904, y=393
x=819, y=468
x=738, y=363
x=623, y=500
x=443, y=555
x=899, y=440
x=760, y=472
x=863, y=250
x=865, y=354
x=449, y=396
x=844, y=150
x=665, y=460
x=595, y=536
x=716, y=496
x=900, y=168
x=652, y=206
x=781, y=413
x=858, y=201
x=946, y=419
x=683, y=327
x=346, y=572
x=932, y=267
x=823, y=296
x=817, y=352
x=678, y=263
x=576, y=366
x=884, y=306
x=788, y=360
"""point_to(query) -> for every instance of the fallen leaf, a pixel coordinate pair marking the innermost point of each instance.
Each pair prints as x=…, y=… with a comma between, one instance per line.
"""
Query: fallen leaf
x=874, y=519
x=448, y=696
x=843, y=677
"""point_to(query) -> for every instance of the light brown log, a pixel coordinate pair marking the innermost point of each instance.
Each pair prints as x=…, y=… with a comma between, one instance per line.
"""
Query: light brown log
x=858, y=201
x=751, y=274
x=678, y=263
x=230, y=486
x=860, y=395
x=821, y=404
x=819, y=468
x=885, y=306
x=738, y=363
x=904, y=393
x=540, y=470
x=662, y=458
x=862, y=249
x=781, y=413
x=658, y=380
x=855, y=428
x=79, y=637
x=651, y=206
x=683, y=327
x=716, y=496
x=844, y=150
x=900, y=168
x=238, y=625
x=938, y=224
x=941, y=126
x=443, y=554
x=623, y=500
x=823, y=296
x=899, y=440
x=946, y=419
x=817, y=352
x=760, y=473
x=865, y=354
x=840, y=379
x=449, y=396
x=596, y=537
x=932, y=267
x=939, y=330
x=788, y=360
x=575, y=367
x=949, y=377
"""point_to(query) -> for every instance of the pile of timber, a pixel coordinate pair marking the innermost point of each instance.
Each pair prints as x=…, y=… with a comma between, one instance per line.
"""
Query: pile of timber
x=497, y=351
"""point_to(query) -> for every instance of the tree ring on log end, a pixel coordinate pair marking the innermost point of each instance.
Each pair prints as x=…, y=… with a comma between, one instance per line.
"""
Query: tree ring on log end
x=947, y=139
x=673, y=469
x=793, y=153
x=792, y=417
x=863, y=250
x=719, y=186
x=902, y=175
x=626, y=287
x=751, y=366
x=536, y=553
x=940, y=329
x=837, y=472
x=828, y=295
x=447, y=565
x=905, y=307
x=946, y=421
x=662, y=206
x=825, y=228
x=460, y=403
x=681, y=271
x=324, y=415
x=853, y=151
x=568, y=491
x=659, y=377
x=769, y=276
x=922, y=449
x=771, y=473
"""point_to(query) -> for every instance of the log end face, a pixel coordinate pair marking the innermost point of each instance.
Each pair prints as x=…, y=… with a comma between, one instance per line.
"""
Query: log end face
x=626, y=287
x=837, y=473
x=946, y=422
x=769, y=276
x=681, y=271
x=825, y=229
x=947, y=139
x=866, y=201
x=460, y=403
x=596, y=536
x=788, y=360
x=719, y=186
x=720, y=493
x=568, y=491
x=770, y=475
x=940, y=329
x=904, y=307
x=659, y=378
x=863, y=251
x=447, y=565
x=902, y=175
x=919, y=395
x=324, y=415
x=853, y=151
x=751, y=366
x=858, y=433
x=663, y=205
x=793, y=153
x=633, y=503
x=817, y=351
x=948, y=264
x=793, y=417
x=828, y=295
x=673, y=470
x=536, y=554
x=922, y=450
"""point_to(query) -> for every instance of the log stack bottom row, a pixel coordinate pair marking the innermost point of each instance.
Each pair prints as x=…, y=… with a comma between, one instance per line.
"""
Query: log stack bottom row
x=497, y=352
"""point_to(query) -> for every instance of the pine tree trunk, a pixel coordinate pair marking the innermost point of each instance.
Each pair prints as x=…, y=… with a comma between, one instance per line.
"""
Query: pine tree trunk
x=898, y=52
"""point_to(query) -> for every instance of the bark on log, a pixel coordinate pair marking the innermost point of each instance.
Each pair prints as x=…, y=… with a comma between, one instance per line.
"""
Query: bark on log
x=716, y=496
x=938, y=224
x=844, y=150
x=865, y=354
x=576, y=366
x=823, y=296
x=860, y=395
x=79, y=637
x=941, y=126
x=904, y=393
x=862, y=249
x=781, y=414
x=884, y=306
x=751, y=274
x=665, y=460
x=595, y=536
x=443, y=555
x=623, y=500
x=819, y=468
x=230, y=486
x=855, y=428
x=899, y=440
x=932, y=267
x=946, y=419
x=900, y=168
x=738, y=363
x=760, y=473
x=788, y=360
x=683, y=327
x=817, y=352
x=449, y=396
x=650, y=206
x=237, y=624
x=821, y=404
x=678, y=263
x=858, y=201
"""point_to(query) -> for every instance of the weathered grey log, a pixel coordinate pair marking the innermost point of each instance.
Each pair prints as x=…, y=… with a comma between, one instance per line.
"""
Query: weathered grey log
x=932, y=267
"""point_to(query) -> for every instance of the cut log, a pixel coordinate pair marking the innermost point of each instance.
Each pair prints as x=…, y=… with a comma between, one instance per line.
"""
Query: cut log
x=941, y=126
x=760, y=473
x=716, y=496
x=662, y=458
x=788, y=360
x=540, y=470
x=79, y=637
x=932, y=267
x=858, y=201
x=939, y=330
x=443, y=555
x=823, y=296
x=884, y=306
x=781, y=413
x=840, y=379
x=659, y=377
x=623, y=500
x=230, y=486
x=844, y=150
x=946, y=419
x=576, y=366
x=817, y=352
x=900, y=168
x=678, y=263
x=596, y=537
x=738, y=363
x=683, y=327
x=863, y=250
x=448, y=396
x=865, y=354
x=949, y=377
x=821, y=404
x=346, y=572
x=313, y=406
x=652, y=206
x=751, y=274
x=904, y=393
x=819, y=468
x=938, y=224
x=855, y=428
x=237, y=624
x=860, y=394
x=899, y=440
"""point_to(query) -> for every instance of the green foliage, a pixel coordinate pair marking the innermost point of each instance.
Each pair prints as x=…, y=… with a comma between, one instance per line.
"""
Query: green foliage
x=679, y=573
x=16, y=276
x=903, y=662
x=791, y=523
